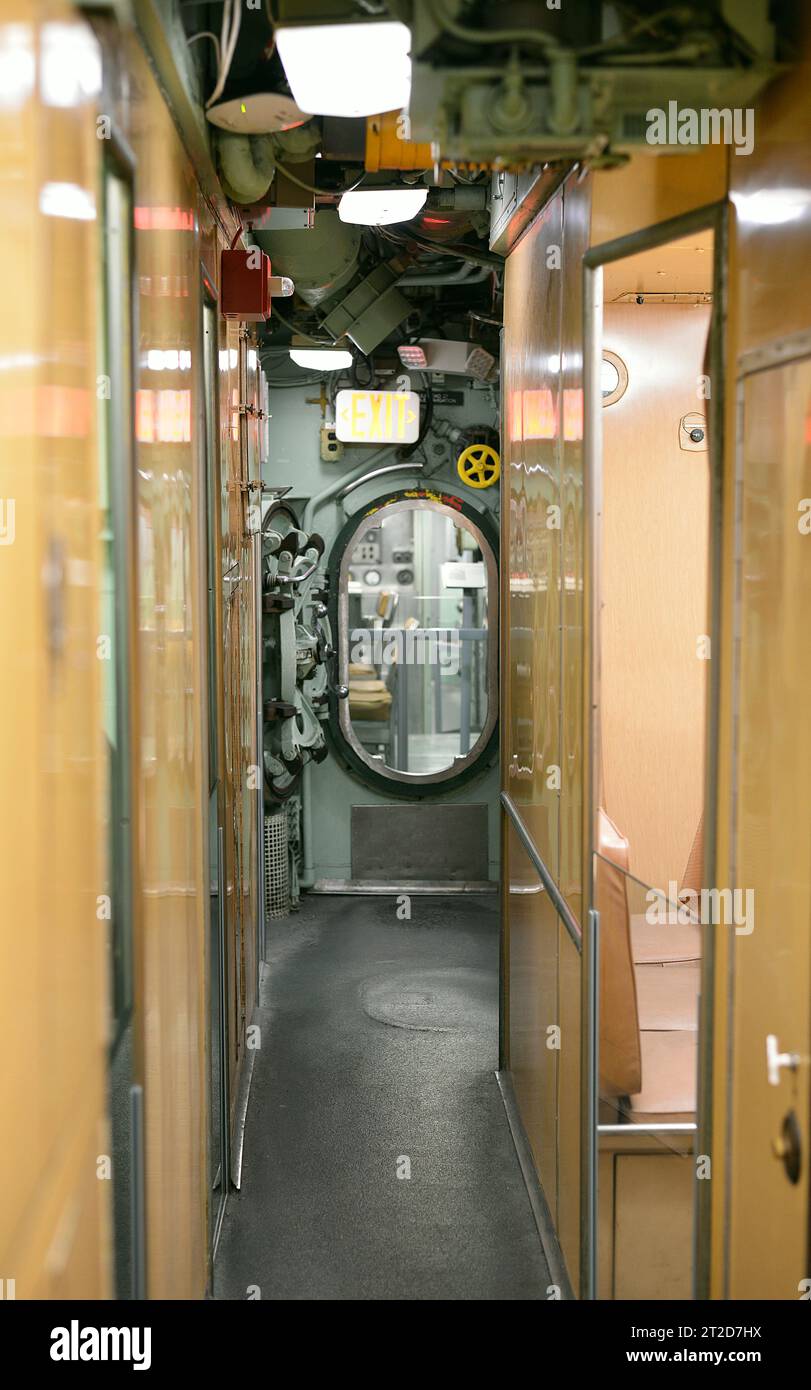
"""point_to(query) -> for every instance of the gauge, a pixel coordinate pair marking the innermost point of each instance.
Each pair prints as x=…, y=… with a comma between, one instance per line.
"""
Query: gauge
x=405, y=576
x=371, y=577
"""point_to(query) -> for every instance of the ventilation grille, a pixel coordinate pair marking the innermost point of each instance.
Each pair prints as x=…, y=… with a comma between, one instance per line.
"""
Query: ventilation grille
x=277, y=866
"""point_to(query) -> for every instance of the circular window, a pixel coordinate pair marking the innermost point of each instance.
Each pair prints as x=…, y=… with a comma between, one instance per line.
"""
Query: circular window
x=417, y=641
x=613, y=378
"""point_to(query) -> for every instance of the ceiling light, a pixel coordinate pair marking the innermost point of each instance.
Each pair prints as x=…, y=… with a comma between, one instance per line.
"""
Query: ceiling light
x=322, y=359
x=347, y=69
x=257, y=114
x=448, y=355
x=375, y=207
x=67, y=200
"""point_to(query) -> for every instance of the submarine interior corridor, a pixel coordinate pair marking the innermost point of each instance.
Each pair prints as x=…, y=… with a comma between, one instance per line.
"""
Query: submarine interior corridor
x=376, y=1111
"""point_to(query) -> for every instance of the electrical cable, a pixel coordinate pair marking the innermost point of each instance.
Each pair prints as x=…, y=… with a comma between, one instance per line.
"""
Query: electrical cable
x=308, y=187
x=551, y=44
x=319, y=342
x=229, y=34
x=491, y=36
x=271, y=19
x=290, y=385
x=207, y=34
x=447, y=248
x=425, y=424
x=371, y=378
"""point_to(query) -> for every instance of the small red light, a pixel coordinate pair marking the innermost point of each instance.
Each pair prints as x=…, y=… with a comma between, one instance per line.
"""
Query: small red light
x=412, y=355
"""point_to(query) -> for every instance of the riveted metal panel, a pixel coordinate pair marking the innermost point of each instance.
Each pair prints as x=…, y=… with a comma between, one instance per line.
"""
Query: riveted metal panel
x=419, y=841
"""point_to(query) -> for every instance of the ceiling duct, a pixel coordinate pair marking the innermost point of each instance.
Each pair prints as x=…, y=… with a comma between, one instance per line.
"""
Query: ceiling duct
x=321, y=261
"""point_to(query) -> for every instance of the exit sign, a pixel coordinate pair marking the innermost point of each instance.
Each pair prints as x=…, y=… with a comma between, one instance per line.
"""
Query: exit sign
x=377, y=417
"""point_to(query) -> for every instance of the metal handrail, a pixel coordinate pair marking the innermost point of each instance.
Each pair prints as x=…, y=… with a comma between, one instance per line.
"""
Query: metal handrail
x=558, y=901
x=631, y=1128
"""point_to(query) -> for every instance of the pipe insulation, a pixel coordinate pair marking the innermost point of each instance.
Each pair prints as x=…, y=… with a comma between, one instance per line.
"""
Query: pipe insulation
x=247, y=164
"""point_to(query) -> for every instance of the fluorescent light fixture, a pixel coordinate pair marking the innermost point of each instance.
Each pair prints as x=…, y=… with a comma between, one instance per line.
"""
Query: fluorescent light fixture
x=375, y=207
x=347, y=69
x=70, y=65
x=322, y=359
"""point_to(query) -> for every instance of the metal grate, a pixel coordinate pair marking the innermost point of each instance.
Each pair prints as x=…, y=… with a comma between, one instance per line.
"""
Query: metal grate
x=277, y=866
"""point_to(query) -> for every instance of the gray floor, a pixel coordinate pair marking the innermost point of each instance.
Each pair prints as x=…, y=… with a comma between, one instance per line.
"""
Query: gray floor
x=379, y=1044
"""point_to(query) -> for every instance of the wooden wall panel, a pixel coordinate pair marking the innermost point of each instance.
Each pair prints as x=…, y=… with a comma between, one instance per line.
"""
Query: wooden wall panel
x=771, y=858
x=771, y=204
x=653, y=1227
x=533, y=1010
x=532, y=466
x=53, y=944
x=171, y=608
x=542, y=695
x=653, y=188
x=761, y=980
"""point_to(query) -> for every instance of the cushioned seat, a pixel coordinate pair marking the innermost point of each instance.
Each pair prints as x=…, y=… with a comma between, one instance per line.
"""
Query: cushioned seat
x=669, y=1061
x=649, y=987
x=620, y=1065
x=667, y=996
x=651, y=942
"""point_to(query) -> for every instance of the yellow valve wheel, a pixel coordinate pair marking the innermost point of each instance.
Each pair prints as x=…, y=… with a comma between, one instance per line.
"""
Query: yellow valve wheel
x=479, y=465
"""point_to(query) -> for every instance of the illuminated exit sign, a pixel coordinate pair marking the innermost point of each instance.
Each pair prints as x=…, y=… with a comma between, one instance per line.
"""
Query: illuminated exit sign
x=377, y=417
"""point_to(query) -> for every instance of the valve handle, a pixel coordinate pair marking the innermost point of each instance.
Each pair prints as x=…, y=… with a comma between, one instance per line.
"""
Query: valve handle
x=479, y=465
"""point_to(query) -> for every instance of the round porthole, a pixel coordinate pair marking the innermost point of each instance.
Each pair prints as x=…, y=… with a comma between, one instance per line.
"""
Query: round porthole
x=613, y=377
x=418, y=652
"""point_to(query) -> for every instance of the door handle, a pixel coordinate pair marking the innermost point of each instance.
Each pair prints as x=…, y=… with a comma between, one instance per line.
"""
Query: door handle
x=777, y=1061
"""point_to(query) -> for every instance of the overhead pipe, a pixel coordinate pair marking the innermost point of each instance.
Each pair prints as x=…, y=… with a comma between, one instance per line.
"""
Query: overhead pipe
x=466, y=274
x=406, y=466
x=247, y=164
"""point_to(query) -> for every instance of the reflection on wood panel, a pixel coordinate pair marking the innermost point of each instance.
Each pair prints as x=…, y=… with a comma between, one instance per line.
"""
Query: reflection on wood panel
x=53, y=972
x=543, y=683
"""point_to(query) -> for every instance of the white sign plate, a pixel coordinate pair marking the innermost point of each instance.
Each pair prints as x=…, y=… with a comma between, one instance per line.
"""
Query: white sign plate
x=377, y=417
